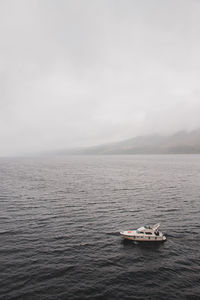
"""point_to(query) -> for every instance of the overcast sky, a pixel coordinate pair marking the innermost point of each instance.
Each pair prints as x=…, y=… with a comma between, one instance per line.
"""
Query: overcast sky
x=92, y=71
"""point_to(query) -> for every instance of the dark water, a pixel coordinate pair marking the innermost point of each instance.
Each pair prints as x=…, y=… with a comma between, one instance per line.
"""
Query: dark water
x=60, y=218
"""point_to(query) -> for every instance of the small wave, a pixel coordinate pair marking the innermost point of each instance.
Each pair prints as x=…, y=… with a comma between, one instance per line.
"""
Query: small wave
x=114, y=233
x=172, y=209
x=126, y=189
x=10, y=232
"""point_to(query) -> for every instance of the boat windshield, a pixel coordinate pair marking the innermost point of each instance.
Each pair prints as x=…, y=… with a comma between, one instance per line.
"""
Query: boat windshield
x=147, y=227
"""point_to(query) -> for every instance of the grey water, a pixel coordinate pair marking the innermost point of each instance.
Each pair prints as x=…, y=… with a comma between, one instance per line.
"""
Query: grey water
x=60, y=219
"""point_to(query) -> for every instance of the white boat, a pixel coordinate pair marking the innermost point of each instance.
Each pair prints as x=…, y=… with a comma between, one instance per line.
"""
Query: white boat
x=145, y=234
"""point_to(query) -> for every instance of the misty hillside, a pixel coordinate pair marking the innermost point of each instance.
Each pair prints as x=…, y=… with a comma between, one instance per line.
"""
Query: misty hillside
x=180, y=143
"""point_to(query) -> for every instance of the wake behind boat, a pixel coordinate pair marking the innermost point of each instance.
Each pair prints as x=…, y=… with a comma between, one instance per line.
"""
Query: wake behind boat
x=145, y=234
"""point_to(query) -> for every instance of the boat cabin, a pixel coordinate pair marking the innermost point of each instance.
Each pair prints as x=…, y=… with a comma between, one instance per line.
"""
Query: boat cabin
x=148, y=230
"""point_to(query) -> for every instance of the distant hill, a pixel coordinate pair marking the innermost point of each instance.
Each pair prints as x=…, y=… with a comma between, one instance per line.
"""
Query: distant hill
x=182, y=142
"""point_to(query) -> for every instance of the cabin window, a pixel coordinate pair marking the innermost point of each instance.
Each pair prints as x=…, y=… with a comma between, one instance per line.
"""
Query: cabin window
x=149, y=237
x=156, y=238
x=148, y=233
x=141, y=232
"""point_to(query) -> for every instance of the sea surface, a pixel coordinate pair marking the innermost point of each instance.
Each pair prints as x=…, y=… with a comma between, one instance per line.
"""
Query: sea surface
x=60, y=219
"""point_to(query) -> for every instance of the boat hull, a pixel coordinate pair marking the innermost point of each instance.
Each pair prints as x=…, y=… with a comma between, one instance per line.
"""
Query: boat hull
x=144, y=239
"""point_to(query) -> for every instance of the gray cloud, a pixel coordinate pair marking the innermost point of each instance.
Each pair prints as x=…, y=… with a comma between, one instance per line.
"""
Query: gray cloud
x=85, y=72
